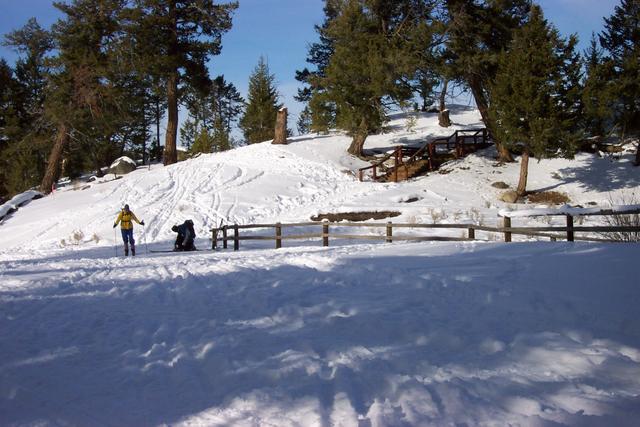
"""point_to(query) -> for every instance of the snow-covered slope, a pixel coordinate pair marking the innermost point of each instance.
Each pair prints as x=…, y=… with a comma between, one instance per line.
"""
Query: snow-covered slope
x=269, y=183
x=362, y=335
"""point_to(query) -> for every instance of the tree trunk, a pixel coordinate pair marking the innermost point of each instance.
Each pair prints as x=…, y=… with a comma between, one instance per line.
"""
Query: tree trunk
x=55, y=159
x=524, y=174
x=281, y=127
x=443, y=114
x=357, y=144
x=445, y=84
x=158, y=117
x=478, y=94
x=144, y=139
x=170, y=153
x=170, y=141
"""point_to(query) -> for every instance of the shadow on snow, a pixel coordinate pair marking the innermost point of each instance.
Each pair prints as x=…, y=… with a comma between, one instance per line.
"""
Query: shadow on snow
x=111, y=346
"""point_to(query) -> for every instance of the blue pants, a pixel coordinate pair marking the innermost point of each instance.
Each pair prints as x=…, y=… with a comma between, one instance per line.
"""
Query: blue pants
x=127, y=236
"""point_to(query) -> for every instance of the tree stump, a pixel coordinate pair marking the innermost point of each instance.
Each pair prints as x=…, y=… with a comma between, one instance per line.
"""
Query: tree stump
x=443, y=119
x=281, y=127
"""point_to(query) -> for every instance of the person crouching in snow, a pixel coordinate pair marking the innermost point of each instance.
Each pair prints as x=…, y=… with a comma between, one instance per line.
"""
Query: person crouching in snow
x=185, y=237
x=126, y=218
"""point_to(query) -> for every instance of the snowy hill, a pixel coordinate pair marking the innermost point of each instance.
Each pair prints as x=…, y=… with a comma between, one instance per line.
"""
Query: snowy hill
x=268, y=183
x=359, y=335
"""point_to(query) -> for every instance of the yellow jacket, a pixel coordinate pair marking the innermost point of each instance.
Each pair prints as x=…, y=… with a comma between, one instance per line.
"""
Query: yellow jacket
x=124, y=218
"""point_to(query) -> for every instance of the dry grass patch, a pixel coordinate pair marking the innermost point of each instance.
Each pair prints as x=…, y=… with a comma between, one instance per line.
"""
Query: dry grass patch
x=355, y=216
x=548, y=198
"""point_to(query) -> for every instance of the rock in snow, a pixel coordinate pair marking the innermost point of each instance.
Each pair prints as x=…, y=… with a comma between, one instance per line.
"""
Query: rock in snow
x=122, y=165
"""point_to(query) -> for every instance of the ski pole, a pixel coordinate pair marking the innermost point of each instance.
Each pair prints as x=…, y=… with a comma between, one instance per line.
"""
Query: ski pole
x=146, y=245
x=115, y=241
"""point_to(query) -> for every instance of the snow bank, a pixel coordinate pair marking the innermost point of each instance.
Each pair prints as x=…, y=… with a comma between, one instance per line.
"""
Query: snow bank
x=17, y=201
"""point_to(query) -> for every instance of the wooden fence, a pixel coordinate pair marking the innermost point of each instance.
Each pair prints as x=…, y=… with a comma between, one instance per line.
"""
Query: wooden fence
x=232, y=232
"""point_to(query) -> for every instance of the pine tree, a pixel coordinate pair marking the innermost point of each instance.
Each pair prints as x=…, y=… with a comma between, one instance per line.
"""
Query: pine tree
x=33, y=43
x=85, y=95
x=30, y=131
x=8, y=87
x=477, y=32
x=531, y=103
x=621, y=41
x=303, y=124
x=318, y=114
x=596, y=94
x=174, y=39
x=370, y=64
x=258, y=121
x=212, y=113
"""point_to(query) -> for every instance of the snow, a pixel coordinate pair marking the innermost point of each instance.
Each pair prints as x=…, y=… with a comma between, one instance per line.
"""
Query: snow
x=123, y=159
x=568, y=210
x=430, y=333
x=17, y=201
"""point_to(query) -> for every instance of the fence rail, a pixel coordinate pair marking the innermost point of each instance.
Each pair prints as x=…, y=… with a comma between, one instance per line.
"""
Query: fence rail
x=460, y=140
x=232, y=232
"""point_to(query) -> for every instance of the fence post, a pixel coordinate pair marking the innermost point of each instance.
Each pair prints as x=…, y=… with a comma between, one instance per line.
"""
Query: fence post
x=375, y=173
x=236, y=239
x=507, y=224
x=569, y=228
x=278, y=235
x=472, y=233
x=360, y=175
x=325, y=233
x=389, y=232
x=397, y=165
x=214, y=238
x=224, y=236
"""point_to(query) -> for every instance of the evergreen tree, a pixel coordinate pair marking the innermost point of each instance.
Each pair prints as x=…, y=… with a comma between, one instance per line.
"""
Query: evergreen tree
x=33, y=43
x=258, y=121
x=596, y=95
x=371, y=62
x=212, y=114
x=531, y=103
x=318, y=114
x=477, y=32
x=621, y=41
x=174, y=39
x=8, y=87
x=7, y=113
x=29, y=131
x=228, y=106
x=424, y=46
x=303, y=123
x=85, y=97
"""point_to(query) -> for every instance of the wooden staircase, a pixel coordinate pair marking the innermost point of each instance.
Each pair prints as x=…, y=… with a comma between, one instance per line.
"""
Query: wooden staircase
x=406, y=162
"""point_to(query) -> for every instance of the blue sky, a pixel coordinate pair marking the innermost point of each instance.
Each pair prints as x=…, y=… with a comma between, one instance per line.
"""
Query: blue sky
x=281, y=30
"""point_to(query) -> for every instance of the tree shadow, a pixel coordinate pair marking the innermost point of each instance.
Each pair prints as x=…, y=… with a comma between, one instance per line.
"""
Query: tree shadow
x=294, y=139
x=603, y=174
x=435, y=337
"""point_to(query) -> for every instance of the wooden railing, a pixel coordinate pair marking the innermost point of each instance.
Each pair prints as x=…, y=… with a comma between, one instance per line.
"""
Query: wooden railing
x=232, y=232
x=459, y=141
x=397, y=155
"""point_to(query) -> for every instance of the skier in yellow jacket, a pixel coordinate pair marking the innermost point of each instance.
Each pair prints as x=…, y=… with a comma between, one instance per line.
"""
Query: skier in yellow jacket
x=125, y=218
